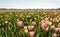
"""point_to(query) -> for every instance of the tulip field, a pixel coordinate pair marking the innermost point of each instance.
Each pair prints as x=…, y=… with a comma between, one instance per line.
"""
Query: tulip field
x=30, y=23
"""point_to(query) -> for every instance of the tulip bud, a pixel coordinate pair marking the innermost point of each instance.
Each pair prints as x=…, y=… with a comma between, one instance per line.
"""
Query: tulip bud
x=46, y=29
x=51, y=19
x=28, y=16
x=57, y=30
x=54, y=35
x=46, y=19
x=0, y=16
x=55, y=20
x=47, y=22
x=30, y=27
x=50, y=23
x=59, y=25
x=26, y=30
x=52, y=27
x=44, y=26
x=32, y=34
x=18, y=20
x=35, y=18
x=33, y=23
x=25, y=27
x=6, y=22
x=30, y=20
x=20, y=23
x=59, y=18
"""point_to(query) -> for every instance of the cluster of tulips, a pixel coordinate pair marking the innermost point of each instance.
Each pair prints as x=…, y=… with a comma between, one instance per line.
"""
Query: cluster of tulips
x=30, y=24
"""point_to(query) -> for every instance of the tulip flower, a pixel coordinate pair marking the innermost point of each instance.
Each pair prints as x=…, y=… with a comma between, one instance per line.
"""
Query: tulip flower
x=42, y=21
x=6, y=22
x=19, y=23
x=52, y=27
x=54, y=35
x=25, y=27
x=28, y=16
x=35, y=18
x=33, y=23
x=58, y=25
x=57, y=30
x=51, y=19
x=0, y=16
x=55, y=20
x=44, y=26
x=46, y=19
x=7, y=16
x=47, y=22
x=30, y=20
x=59, y=18
x=50, y=23
x=17, y=19
x=32, y=34
x=46, y=29
x=26, y=30
x=30, y=27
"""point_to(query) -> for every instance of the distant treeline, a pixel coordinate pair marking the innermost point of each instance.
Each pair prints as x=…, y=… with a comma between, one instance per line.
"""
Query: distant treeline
x=29, y=9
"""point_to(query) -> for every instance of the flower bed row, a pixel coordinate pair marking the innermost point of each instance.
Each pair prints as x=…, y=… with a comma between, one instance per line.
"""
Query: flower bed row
x=26, y=24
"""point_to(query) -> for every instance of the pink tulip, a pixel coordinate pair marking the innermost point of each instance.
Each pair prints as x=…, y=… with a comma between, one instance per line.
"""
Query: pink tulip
x=57, y=29
x=47, y=22
x=32, y=34
x=26, y=30
x=44, y=26
x=59, y=25
x=33, y=23
x=43, y=22
x=52, y=27
x=54, y=35
x=30, y=27
x=55, y=20
x=0, y=16
x=19, y=23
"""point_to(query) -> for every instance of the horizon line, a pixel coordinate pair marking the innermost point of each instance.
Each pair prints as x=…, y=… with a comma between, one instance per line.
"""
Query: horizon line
x=29, y=8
